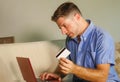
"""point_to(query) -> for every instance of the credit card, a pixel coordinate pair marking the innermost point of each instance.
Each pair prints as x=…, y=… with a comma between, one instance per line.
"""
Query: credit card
x=64, y=52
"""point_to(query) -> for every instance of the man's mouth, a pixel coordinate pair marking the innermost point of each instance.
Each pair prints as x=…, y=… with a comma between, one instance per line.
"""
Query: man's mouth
x=70, y=35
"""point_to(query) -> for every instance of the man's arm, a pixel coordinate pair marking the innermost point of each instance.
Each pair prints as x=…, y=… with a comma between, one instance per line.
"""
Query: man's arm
x=100, y=74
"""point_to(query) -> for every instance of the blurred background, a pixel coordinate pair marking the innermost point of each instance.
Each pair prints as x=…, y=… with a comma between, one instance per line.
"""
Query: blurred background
x=30, y=20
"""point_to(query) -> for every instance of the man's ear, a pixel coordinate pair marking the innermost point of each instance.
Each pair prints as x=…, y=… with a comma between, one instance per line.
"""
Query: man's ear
x=77, y=16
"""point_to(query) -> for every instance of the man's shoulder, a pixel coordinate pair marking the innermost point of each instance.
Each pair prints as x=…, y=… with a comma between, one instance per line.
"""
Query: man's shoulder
x=101, y=32
x=100, y=35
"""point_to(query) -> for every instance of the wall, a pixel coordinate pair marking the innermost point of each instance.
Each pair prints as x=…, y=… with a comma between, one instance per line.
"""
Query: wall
x=29, y=20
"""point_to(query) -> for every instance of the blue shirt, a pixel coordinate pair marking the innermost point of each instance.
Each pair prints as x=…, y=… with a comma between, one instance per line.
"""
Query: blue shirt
x=96, y=47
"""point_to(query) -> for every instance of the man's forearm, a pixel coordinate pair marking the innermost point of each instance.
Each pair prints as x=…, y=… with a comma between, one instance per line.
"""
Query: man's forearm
x=94, y=75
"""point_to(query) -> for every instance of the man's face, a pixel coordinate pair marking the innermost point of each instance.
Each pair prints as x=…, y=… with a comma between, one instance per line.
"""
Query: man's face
x=68, y=26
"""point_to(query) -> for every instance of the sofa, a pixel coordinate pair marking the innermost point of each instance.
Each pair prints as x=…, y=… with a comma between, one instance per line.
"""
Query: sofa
x=42, y=55
x=117, y=57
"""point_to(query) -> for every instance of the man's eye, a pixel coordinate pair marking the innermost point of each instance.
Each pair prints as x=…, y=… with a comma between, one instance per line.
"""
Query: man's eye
x=64, y=26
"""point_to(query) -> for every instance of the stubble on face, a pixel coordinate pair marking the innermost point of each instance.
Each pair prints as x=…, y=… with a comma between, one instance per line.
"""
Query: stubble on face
x=69, y=24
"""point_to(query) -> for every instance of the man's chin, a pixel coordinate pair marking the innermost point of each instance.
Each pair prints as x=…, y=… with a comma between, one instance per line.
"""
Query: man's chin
x=72, y=37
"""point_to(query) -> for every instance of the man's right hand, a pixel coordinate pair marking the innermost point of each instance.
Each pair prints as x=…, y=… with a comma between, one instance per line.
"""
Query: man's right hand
x=50, y=77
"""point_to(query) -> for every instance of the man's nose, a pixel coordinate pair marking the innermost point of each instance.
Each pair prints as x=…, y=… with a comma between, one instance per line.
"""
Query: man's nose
x=64, y=31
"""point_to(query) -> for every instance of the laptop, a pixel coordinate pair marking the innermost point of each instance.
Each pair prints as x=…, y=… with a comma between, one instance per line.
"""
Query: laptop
x=26, y=69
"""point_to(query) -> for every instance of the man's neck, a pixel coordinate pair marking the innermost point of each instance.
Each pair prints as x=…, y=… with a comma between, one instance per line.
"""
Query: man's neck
x=84, y=26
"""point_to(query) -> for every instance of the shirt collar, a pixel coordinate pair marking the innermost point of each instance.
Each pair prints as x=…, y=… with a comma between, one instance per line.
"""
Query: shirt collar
x=88, y=30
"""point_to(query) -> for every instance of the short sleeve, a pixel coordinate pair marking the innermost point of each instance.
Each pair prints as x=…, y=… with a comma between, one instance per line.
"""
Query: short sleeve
x=105, y=50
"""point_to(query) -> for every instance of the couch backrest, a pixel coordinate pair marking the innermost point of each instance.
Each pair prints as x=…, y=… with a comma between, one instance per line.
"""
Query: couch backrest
x=41, y=54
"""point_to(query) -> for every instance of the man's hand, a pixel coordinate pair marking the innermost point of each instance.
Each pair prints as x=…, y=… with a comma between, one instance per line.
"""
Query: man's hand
x=66, y=66
x=50, y=77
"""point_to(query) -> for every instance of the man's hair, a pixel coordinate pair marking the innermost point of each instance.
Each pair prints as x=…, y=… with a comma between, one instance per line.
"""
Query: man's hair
x=64, y=10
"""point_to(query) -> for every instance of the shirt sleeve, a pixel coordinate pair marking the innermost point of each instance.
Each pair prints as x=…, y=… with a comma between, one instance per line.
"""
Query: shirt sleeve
x=105, y=50
x=66, y=45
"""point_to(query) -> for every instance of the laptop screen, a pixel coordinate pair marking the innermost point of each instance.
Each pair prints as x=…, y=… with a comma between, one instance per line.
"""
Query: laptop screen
x=26, y=69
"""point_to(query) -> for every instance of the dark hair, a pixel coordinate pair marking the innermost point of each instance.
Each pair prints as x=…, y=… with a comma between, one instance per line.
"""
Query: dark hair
x=64, y=10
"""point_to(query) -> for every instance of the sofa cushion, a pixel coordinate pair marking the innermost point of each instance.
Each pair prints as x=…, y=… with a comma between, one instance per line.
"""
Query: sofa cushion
x=117, y=58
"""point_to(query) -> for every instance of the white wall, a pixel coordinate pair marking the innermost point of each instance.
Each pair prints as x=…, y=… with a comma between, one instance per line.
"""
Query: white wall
x=29, y=20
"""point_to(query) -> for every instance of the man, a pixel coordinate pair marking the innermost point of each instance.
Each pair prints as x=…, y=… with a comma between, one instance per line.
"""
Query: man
x=92, y=49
